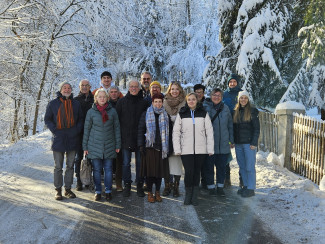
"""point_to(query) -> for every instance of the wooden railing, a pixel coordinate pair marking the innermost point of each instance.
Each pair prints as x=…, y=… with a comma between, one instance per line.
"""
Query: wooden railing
x=268, y=140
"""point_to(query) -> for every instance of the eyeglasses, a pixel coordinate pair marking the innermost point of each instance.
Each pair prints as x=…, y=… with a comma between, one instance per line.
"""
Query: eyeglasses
x=214, y=95
x=85, y=85
x=146, y=78
x=133, y=87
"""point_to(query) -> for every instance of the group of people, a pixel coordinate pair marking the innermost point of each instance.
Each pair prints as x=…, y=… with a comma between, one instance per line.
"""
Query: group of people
x=166, y=132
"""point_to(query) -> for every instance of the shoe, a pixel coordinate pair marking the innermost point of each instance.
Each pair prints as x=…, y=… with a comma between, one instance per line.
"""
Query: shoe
x=188, y=195
x=108, y=196
x=140, y=191
x=248, y=193
x=119, y=187
x=79, y=185
x=151, y=198
x=158, y=197
x=58, y=195
x=98, y=197
x=227, y=183
x=127, y=190
x=204, y=186
x=195, y=194
x=145, y=187
x=69, y=194
x=212, y=192
x=241, y=190
x=167, y=189
x=220, y=192
x=176, y=189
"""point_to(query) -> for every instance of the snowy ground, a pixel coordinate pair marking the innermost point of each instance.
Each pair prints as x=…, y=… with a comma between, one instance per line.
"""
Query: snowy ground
x=291, y=206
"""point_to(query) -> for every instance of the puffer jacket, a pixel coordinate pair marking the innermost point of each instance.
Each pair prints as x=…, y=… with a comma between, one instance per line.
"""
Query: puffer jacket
x=64, y=140
x=230, y=97
x=247, y=132
x=101, y=139
x=222, y=127
x=189, y=138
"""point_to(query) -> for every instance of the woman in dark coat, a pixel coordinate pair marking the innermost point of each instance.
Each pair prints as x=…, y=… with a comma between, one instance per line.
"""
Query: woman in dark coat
x=101, y=141
x=153, y=140
x=246, y=133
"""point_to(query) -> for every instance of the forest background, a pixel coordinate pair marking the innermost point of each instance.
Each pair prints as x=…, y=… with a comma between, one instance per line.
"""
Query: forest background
x=276, y=46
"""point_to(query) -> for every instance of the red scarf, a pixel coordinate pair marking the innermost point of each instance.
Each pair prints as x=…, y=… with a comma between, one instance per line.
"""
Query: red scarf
x=102, y=110
x=65, y=114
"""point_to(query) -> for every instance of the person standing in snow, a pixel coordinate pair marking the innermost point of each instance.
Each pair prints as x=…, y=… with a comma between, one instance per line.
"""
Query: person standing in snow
x=86, y=100
x=146, y=80
x=230, y=98
x=193, y=140
x=101, y=141
x=64, y=118
x=106, y=82
x=246, y=133
x=222, y=123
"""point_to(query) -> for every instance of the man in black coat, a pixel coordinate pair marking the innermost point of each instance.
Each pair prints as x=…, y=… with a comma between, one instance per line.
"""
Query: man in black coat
x=86, y=100
x=129, y=110
x=64, y=118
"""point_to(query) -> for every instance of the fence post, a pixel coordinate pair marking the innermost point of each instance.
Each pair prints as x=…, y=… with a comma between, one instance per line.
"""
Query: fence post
x=285, y=129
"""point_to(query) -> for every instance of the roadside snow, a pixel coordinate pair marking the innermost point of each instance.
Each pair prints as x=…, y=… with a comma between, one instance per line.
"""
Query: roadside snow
x=291, y=206
x=290, y=105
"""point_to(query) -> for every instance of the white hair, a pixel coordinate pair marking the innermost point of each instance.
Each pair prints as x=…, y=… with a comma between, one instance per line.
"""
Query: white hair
x=80, y=83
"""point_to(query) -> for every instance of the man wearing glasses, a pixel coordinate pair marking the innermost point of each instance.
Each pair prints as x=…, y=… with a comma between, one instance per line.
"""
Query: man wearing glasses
x=146, y=80
x=86, y=100
x=199, y=90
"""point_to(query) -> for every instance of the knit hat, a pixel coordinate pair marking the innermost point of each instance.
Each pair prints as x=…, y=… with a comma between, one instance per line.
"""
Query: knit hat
x=243, y=93
x=155, y=83
x=199, y=86
x=106, y=73
x=157, y=96
x=64, y=83
x=234, y=76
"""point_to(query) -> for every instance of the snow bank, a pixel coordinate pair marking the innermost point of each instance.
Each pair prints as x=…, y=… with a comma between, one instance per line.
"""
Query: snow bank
x=322, y=184
x=290, y=105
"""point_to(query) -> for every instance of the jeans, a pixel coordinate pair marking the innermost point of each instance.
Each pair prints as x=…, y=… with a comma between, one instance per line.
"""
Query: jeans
x=220, y=161
x=98, y=165
x=192, y=165
x=126, y=166
x=246, y=159
x=58, y=172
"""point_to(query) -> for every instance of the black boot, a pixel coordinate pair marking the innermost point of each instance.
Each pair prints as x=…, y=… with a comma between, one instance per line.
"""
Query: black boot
x=167, y=189
x=188, y=195
x=79, y=184
x=176, y=186
x=195, y=194
x=220, y=192
x=58, y=195
x=140, y=191
x=127, y=190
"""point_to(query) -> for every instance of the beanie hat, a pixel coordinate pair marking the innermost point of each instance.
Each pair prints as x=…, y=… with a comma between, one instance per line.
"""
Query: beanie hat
x=199, y=86
x=64, y=83
x=157, y=96
x=243, y=93
x=155, y=83
x=234, y=76
x=106, y=73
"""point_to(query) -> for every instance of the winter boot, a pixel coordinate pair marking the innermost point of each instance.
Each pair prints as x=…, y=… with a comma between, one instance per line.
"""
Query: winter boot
x=167, y=189
x=98, y=197
x=127, y=190
x=227, y=183
x=241, y=190
x=158, y=197
x=195, y=194
x=140, y=191
x=188, y=195
x=79, y=184
x=212, y=192
x=58, y=195
x=69, y=194
x=108, y=196
x=248, y=193
x=119, y=187
x=151, y=198
x=220, y=192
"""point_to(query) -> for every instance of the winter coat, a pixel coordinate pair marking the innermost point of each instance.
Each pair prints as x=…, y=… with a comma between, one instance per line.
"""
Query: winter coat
x=222, y=127
x=129, y=110
x=64, y=140
x=189, y=138
x=101, y=139
x=148, y=99
x=230, y=97
x=247, y=132
x=86, y=102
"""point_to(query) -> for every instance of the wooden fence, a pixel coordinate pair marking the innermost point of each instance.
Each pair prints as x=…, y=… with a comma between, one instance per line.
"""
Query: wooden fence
x=268, y=140
x=307, y=158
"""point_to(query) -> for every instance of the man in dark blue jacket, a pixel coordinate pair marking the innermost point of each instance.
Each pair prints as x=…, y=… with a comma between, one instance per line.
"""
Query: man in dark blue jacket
x=64, y=118
x=230, y=98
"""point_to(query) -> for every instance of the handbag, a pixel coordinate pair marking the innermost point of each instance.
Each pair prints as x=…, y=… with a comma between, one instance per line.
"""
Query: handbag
x=85, y=171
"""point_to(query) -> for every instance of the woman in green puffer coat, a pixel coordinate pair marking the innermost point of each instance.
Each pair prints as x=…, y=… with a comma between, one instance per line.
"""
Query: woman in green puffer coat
x=101, y=141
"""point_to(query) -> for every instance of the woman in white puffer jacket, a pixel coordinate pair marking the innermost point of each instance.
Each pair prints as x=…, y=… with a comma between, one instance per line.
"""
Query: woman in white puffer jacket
x=193, y=140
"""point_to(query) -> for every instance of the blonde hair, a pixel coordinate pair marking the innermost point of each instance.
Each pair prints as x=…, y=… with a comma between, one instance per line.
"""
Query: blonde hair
x=96, y=95
x=180, y=88
x=190, y=94
x=247, y=112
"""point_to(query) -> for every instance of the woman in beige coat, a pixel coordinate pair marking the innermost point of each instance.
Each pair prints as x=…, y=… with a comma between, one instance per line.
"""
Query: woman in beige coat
x=193, y=140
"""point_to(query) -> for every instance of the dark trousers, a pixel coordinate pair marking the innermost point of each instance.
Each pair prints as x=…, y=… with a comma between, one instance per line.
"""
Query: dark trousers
x=153, y=180
x=220, y=161
x=77, y=162
x=192, y=165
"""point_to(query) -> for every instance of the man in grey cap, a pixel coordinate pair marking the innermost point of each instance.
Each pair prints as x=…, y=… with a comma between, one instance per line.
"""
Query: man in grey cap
x=64, y=118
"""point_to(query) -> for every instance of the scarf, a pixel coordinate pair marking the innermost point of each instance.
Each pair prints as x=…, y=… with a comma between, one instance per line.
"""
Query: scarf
x=65, y=118
x=102, y=110
x=173, y=103
x=163, y=126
